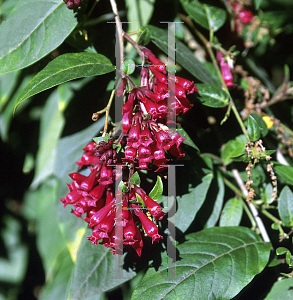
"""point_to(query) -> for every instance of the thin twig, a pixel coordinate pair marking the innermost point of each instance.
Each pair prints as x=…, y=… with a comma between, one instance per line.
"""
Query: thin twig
x=254, y=211
x=119, y=32
x=107, y=109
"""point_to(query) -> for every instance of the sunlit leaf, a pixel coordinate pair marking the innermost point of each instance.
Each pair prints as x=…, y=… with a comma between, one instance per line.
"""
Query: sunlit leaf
x=64, y=68
x=215, y=263
x=26, y=40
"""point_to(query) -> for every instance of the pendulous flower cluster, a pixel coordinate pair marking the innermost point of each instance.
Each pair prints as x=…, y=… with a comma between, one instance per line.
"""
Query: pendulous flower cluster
x=148, y=144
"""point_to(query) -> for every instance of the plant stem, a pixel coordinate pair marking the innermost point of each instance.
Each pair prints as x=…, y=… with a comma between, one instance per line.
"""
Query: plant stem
x=208, y=45
x=119, y=33
x=107, y=109
x=253, y=209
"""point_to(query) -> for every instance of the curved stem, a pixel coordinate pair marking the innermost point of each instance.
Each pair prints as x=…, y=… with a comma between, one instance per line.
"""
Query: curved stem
x=208, y=45
x=119, y=32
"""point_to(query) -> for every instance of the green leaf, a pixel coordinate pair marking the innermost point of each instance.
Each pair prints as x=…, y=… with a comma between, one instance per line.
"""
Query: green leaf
x=145, y=36
x=261, y=124
x=218, y=203
x=233, y=148
x=286, y=172
x=32, y=30
x=96, y=262
x=188, y=141
x=188, y=204
x=232, y=213
x=257, y=4
x=55, y=287
x=50, y=242
x=157, y=190
x=282, y=289
x=212, y=96
x=285, y=206
x=7, y=114
x=129, y=66
x=102, y=138
x=288, y=257
x=252, y=129
x=122, y=187
x=64, y=68
x=139, y=13
x=207, y=16
x=184, y=56
x=51, y=126
x=135, y=179
x=241, y=157
x=215, y=263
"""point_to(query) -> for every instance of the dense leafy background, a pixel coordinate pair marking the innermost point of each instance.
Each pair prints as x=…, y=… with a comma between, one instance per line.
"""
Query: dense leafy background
x=56, y=69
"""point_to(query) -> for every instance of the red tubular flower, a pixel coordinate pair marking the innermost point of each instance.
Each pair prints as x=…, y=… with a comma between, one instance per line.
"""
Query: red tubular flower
x=152, y=206
x=98, y=191
x=101, y=214
x=89, y=146
x=225, y=69
x=145, y=138
x=161, y=77
x=89, y=182
x=126, y=121
x=106, y=175
x=107, y=223
x=155, y=61
x=150, y=228
x=71, y=198
x=129, y=231
x=130, y=154
x=77, y=177
x=144, y=75
x=121, y=88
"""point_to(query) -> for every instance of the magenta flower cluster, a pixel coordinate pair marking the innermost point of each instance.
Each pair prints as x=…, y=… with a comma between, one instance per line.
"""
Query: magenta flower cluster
x=148, y=145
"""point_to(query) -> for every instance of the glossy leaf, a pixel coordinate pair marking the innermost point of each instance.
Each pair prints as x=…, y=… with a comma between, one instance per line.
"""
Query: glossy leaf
x=261, y=124
x=286, y=206
x=253, y=130
x=215, y=263
x=188, y=141
x=64, y=68
x=96, y=262
x=212, y=96
x=207, y=16
x=129, y=66
x=135, y=179
x=26, y=40
x=231, y=213
x=157, y=190
x=183, y=55
x=232, y=148
x=281, y=250
x=286, y=172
